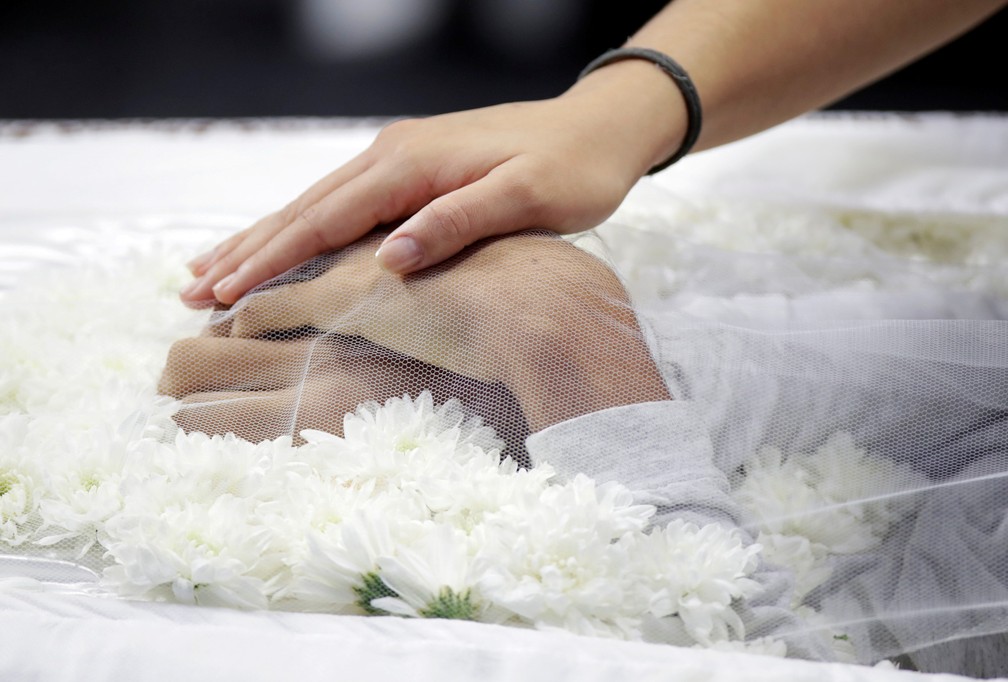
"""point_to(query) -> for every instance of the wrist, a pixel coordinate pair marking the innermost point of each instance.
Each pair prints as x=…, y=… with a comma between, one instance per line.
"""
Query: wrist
x=643, y=113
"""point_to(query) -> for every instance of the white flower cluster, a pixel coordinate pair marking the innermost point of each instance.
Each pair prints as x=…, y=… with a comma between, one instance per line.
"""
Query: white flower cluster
x=854, y=251
x=430, y=522
x=802, y=504
x=412, y=512
x=80, y=356
x=809, y=508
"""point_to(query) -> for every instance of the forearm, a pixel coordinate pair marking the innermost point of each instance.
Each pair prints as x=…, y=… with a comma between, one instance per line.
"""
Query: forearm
x=756, y=64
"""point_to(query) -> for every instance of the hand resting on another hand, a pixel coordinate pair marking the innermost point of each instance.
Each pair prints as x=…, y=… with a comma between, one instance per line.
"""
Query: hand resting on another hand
x=523, y=329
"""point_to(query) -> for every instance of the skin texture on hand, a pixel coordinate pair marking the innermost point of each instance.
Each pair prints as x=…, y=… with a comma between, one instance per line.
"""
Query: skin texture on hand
x=528, y=316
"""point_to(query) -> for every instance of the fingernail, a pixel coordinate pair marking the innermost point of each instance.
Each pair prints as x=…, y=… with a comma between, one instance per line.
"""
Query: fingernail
x=223, y=285
x=188, y=290
x=399, y=254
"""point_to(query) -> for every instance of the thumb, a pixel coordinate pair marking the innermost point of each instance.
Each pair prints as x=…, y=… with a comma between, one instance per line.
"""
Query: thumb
x=495, y=204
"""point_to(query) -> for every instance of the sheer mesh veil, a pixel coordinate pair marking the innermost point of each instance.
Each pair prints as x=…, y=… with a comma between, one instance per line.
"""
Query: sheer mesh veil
x=528, y=332
x=853, y=367
x=884, y=440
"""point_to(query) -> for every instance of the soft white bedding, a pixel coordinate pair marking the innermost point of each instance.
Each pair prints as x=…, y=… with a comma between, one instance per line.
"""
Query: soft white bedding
x=95, y=194
x=55, y=637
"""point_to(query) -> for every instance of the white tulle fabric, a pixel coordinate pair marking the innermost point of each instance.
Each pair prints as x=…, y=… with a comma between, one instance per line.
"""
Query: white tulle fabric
x=837, y=335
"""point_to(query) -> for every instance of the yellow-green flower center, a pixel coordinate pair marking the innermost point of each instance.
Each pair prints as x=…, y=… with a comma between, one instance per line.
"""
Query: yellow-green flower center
x=7, y=482
x=372, y=587
x=407, y=443
x=452, y=605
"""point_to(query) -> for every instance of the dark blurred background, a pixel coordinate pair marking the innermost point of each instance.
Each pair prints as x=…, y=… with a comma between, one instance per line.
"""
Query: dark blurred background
x=240, y=58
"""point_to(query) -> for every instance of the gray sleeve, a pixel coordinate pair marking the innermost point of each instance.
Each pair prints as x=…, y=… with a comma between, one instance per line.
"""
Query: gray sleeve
x=661, y=451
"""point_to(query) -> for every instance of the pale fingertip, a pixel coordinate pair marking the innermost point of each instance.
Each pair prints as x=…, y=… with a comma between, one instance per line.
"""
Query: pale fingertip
x=222, y=290
x=198, y=265
x=189, y=289
x=399, y=254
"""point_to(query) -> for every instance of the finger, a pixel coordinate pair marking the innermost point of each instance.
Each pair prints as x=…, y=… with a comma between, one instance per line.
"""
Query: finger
x=331, y=182
x=499, y=203
x=198, y=265
x=229, y=255
x=223, y=259
x=281, y=313
x=224, y=364
x=342, y=281
x=277, y=314
x=220, y=321
x=328, y=392
x=340, y=218
x=202, y=263
x=254, y=416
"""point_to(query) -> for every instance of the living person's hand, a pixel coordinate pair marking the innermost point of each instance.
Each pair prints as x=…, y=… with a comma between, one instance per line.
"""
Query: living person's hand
x=530, y=312
x=562, y=164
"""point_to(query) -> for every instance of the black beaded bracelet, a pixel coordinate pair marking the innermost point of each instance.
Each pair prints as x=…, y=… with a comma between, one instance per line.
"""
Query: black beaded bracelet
x=678, y=75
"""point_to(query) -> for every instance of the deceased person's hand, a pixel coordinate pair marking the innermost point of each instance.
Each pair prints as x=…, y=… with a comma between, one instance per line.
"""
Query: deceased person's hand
x=526, y=328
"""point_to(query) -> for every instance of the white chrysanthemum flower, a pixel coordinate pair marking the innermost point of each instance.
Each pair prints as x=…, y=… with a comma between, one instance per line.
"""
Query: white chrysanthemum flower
x=560, y=563
x=77, y=505
x=411, y=449
x=211, y=554
x=481, y=490
x=81, y=489
x=832, y=497
x=20, y=481
x=844, y=472
x=696, y=574
x=403, y=424
x=340, y=572
x=817, y=627
x=809, y=508
x=17, y=504
x=13, y=375
x=198, y=467
x=807, y=560
x=435, y=577
x=781, y=495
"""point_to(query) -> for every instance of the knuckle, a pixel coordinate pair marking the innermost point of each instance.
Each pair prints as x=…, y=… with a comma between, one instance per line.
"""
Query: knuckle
x=449, y=220
x=289, y=213
x=402, y=142
x=246, y=322
x=397, y=129
x=268, y=263
x=256, y=316
x=311, y=231
x=309, y=217
x=527, y=196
